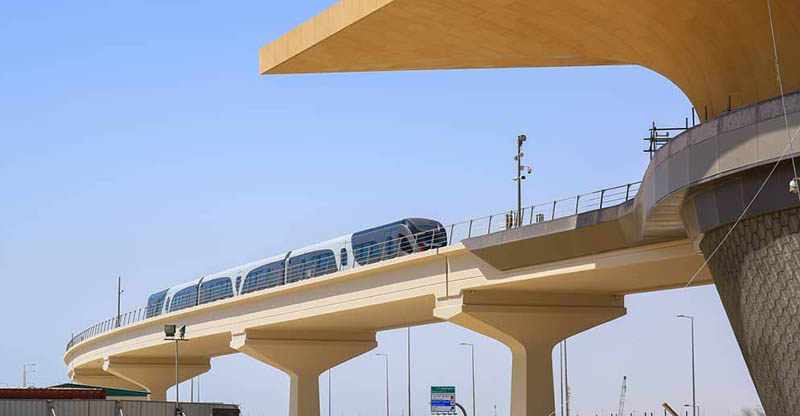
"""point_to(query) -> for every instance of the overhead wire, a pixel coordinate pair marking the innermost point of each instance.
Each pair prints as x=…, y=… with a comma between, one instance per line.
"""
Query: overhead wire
x=789, y=147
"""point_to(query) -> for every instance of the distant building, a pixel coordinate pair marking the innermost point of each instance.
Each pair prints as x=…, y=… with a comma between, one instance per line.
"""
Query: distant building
x=71, y=399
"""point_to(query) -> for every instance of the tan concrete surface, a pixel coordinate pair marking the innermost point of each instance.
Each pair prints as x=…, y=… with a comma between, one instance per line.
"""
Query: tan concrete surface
x=289, y=326
x=303, y=357
x=155, y=375
x=530, y=325
x=711, y=49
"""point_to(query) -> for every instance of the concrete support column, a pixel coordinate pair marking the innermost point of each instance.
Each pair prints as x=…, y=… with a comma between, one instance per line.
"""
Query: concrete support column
x=303, y=358
x=757, y=275
x=530, y=325
x=156, y=374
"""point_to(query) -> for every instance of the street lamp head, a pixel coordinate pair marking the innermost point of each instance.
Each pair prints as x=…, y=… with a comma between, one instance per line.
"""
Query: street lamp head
x=685, y=316
x=465, y=343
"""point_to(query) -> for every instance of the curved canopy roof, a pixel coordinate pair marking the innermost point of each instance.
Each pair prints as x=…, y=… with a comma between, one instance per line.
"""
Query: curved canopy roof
x=711, y=49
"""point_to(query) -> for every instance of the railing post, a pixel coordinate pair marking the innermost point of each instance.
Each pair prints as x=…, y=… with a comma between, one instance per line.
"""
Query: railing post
x=531, y=219
x=627, y=192
x=452, y=228
x=489, y=228
x=577, y=201
x=469, y=232
x=602, y=194
x=553, y=215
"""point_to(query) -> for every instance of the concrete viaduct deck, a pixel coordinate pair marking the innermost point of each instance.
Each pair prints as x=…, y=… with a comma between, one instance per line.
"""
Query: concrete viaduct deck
x=528, y=287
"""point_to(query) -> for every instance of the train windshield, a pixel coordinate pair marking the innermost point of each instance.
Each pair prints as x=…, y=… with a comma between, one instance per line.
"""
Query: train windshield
x=154, y=303
x=429, y=234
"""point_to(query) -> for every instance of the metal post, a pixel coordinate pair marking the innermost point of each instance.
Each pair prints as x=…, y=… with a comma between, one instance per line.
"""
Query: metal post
x=519, y=180
x=177, y=387
x=577, y=202
x=25, y=373
x=452, y=227
x=386, y=356
x=694, y=398
x=408, y=349
x=489, y=228
x=329, y=391
x=472, y=352
x=553, y=215
x=469, y=232
x=566, y=378
x=561, y=374
x=119, y=296
x=602, y=194
x=627, y=192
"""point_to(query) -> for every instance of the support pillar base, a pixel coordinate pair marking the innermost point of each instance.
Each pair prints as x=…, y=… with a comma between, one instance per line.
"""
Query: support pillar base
x=530, y=325
x=156, y=375
x=303, y=360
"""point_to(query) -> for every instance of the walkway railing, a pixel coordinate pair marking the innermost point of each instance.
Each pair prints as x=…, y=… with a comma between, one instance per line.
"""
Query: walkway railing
x=406, y=245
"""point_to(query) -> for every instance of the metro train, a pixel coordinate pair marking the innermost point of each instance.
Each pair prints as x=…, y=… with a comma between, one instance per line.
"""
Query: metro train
x=406, y=236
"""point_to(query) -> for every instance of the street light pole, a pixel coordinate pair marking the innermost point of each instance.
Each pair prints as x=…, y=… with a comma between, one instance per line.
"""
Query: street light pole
x=329, y=391
x=119, y=298
x=472, y=352
x=408, y=349
x=519, y=178
x=25, y=373
x=694, y=401
x=170, y=335
x=386, y=356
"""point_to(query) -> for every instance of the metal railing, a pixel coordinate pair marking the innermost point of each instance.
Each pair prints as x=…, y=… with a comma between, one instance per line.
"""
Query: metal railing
x=389, y=249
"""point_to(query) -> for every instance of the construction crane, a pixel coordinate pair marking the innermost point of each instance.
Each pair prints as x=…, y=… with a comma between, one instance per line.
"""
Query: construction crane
x=622, y=396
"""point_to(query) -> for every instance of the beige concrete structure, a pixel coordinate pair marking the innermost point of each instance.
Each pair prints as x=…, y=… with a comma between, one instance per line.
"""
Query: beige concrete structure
x=308, y=327
x=527, y=287
x=712, y=50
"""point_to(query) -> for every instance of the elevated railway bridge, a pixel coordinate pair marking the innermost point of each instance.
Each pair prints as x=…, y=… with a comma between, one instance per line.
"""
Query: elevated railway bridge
x=570, y=268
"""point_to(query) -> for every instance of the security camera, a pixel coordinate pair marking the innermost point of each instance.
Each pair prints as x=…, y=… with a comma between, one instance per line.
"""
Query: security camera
x=794, y=184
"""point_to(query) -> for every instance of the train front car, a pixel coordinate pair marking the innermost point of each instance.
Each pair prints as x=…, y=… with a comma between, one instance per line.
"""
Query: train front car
x=429, y=234
x=155, y=303
x=399, y=238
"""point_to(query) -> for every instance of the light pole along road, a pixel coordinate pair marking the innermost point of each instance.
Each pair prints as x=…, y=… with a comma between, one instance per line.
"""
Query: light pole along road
x=472, y=352
x=694, y=401
x=386, y=356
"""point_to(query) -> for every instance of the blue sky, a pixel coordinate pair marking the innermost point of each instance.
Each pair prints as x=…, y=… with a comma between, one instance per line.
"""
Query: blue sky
x=137, y=139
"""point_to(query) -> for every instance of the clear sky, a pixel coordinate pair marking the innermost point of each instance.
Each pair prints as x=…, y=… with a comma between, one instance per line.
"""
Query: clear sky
x=138, y=140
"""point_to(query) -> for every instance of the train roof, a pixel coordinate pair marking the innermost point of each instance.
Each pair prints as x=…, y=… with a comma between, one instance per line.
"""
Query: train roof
x=333, y=244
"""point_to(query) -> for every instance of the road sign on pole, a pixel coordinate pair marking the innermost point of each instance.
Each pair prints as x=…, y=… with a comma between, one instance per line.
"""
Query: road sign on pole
x=443, y=400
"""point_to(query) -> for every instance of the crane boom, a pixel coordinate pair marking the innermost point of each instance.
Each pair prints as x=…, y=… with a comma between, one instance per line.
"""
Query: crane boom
x=622, y=396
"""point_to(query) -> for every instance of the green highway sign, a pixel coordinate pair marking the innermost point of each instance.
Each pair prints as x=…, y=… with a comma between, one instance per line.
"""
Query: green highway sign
x=443, y=400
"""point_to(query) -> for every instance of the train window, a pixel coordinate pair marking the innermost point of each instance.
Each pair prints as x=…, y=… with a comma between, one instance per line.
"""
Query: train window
x=238, y=289
x=308, y=265
x=406, y=246
x=362, y=251
x=343, y=256
x=215, y=289
x=185, y=298
x=390, y=246
x=155, y=303
x=262, y=277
